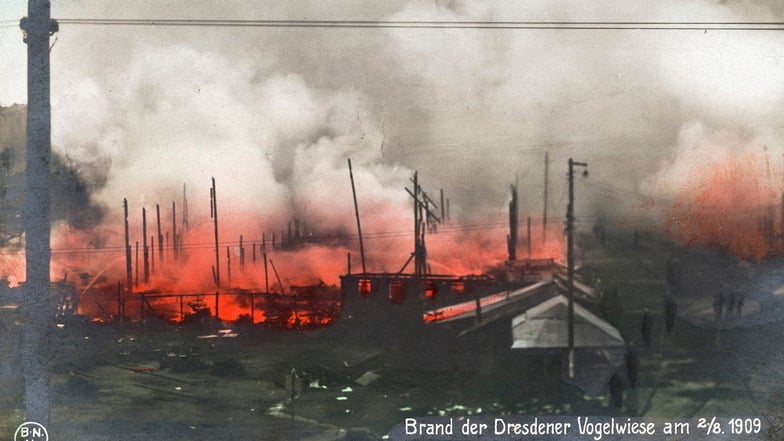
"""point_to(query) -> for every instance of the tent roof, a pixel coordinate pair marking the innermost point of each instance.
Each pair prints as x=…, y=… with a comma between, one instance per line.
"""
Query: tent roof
x=545, y=326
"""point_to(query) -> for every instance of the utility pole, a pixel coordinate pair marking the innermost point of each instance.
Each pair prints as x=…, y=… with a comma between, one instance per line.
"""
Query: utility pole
x=185, y=224
x=160, y=235
x=511, y=240
x=570, y=258
x=443, y=207
x=418, y=262
x=38, y=27
x=422, y=209
x=128, y=268
x=356, y=212
x=174, y=229
x=420, y=250
x=214, y=211
x=546, y=186
x=145, y=250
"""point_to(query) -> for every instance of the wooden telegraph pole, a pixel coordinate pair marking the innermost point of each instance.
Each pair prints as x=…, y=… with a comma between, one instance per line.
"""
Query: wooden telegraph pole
x=570, y=259
x=511, y=240
x=356, y=212
x=546, y=187
x=214, y=212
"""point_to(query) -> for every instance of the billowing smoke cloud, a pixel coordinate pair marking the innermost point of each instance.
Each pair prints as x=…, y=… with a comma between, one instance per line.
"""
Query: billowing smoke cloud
x=72, y=182
x=277, y=147
x=617, y=100
x=274, y=114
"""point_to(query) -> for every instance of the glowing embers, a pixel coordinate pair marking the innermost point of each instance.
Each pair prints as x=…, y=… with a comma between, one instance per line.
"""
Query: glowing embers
x=398, y=288
x=431, y=290
x=303, y=307
x=365, y=287
x=397, y=292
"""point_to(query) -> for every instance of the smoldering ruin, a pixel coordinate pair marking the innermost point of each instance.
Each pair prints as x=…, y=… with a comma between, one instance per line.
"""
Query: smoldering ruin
x=317, y=232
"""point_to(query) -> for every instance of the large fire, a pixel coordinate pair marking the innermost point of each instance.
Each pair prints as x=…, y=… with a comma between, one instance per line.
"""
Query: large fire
x=290, y=282
x=729, y=205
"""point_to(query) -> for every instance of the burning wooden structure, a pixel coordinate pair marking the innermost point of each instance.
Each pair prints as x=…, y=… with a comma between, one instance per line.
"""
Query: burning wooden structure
x=405, y=298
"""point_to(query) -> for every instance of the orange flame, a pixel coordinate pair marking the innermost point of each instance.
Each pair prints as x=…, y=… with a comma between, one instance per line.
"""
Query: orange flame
x=729, y=206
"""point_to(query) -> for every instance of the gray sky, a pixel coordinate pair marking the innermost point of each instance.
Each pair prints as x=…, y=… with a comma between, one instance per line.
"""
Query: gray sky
x=273, y=113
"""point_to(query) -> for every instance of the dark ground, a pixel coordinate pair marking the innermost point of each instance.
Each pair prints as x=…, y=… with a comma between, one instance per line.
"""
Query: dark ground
x=156, y=381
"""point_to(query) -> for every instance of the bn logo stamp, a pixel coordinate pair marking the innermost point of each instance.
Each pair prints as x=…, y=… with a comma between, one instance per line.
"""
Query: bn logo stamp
x=31, y=431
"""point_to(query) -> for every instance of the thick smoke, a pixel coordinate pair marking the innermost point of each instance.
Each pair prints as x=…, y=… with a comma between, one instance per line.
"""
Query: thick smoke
x=471, y=109
x=274, y=114
x=72, y=182
x=277, y=147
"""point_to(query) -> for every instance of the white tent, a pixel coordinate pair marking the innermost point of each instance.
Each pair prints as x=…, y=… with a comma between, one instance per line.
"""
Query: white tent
x=546, y=326
x=598, y=347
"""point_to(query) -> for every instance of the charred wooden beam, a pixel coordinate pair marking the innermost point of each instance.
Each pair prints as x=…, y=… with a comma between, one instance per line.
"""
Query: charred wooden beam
x=174, y=230
x=266, y=274
x=228, y=263
x=277, y=276
x=242, y=254
x=152, y=255
x=128, y=266
x=137, y=263
x=160, y=235
x=145, y=250
x=513, y=214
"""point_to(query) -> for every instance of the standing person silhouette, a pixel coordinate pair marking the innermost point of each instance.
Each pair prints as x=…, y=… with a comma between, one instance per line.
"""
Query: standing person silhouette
x=646, y=328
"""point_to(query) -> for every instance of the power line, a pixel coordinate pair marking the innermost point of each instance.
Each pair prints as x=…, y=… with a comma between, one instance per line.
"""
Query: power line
x=417, y=24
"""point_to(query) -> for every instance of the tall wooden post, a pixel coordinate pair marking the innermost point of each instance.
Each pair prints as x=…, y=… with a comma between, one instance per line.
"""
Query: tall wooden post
x=145, y=250
x=546, y=187
x=174, y=230
x=356, y=212
x=242, y=254
x=214, y=211
x=152, y=254
x=228, y=264
x=266, y=274
x=513, y=213
x=570, y=260
x=443, y=207
x=137, y=263
x=160, y=235
x=128, y=266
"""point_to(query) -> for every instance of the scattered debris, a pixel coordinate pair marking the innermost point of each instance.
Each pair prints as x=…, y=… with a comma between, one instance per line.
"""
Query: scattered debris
x=220, y=334
x=367, y=378
x=315, y=385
